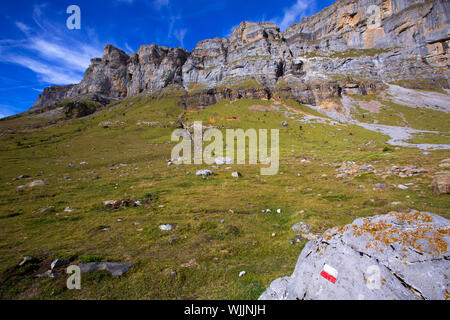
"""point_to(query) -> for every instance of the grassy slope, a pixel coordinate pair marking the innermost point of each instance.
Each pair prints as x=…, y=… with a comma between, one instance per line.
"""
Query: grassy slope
x=194, y=205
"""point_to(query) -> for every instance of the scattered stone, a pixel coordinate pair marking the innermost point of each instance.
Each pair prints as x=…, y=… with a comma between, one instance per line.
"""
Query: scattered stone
x=126, y=203
x=380, y=185
x=301, y=227
x=173, y=239
x=232, y=230
x=191, y=264
x=236, y=175
x=166, y=227
x=26, y=260
x=278, y=210
x=59, y=263
x=408, y=251
x=401, y=186
x=426, y=153
x=68, y=209
x=298, y=238
x=441, y=183
x=204, y=173
x=284, y=124
x=24, y=176
x=36, y=183
x=83, y=163
x=242, y=273
x=445, y=163
x=71, y=165
x=48, y=273
x=114, y=268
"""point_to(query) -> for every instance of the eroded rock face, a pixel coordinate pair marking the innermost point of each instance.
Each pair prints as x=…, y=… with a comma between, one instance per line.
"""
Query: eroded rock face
x=317, y=59
x=394, y=256
x=441, y=183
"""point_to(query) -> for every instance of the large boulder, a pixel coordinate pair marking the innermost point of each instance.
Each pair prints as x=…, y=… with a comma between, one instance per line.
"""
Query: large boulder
x=400, y=255
x=441, y=183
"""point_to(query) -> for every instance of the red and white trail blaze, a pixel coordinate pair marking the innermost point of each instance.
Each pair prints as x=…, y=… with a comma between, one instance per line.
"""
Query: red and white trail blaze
x=329, y=273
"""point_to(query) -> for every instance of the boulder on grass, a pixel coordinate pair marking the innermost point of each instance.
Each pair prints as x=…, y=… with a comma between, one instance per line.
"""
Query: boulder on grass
x=397, y=256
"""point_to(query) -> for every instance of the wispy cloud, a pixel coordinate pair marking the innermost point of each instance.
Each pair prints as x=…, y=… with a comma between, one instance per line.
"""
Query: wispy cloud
x=7, y=110
x=294, y=13
x=129, y=49
x=52, y=54
x=179, y=35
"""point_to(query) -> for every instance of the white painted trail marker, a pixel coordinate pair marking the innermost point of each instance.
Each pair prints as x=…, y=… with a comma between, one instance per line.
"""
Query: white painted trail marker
x=329, y=273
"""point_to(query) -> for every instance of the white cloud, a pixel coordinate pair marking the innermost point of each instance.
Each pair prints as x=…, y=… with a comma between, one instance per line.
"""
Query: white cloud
x=23, y=27
x=294, y=13
x=7, y=110
x=179, y=35
x=46, y=72
x=129, y=49
x=55, y=57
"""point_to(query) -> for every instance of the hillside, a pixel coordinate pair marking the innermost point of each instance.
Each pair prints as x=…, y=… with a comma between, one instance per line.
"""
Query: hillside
x=363, y=116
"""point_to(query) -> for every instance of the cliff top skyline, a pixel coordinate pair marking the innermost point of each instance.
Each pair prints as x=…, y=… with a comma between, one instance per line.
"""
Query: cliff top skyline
x=38, y=50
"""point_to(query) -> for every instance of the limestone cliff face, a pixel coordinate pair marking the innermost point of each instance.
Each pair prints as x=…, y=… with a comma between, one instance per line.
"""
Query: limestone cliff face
x=333, y=52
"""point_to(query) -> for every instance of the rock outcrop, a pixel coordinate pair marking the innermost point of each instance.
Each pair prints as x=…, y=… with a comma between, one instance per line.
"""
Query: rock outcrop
x=338, y=51
x=400, y=255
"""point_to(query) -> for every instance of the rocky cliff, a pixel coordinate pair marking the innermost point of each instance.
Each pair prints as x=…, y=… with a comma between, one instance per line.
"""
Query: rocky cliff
x=337, y=51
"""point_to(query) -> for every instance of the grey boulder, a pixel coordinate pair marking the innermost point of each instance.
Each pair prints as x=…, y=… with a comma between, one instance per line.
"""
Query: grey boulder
x=400, y=256
x=115, y=268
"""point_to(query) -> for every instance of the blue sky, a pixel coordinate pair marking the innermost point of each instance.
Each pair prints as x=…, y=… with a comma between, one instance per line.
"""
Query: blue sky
x=38, y=50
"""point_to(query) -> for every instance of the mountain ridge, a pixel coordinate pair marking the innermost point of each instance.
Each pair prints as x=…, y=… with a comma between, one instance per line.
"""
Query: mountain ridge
x=331, y=53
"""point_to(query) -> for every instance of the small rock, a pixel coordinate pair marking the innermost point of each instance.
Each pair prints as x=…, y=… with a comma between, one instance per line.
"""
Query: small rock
x=242, y=273
x=115, y=268
x=110, y=203
x=26, y=260
x=48, y=273
x=445, y=163
x=301, y=227
x=191, y=264
x=284, y=124
x=24, y=176
x=441, y=183
x=204, y=173
x=380, y=185
x=173, y=239
x=236, y=174
x=232, y=230
x=166, y=227
x=278, y=210
x=402, y=187
x=36, y=183
x=59, y=263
